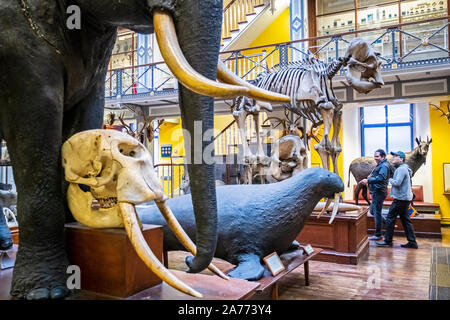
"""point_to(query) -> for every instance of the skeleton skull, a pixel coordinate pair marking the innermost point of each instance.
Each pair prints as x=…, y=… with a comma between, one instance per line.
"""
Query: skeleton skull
x=363, y=67
x=110, y=172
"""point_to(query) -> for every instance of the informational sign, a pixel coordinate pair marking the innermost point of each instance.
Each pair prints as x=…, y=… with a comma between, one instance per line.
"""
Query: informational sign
x=308, y=249
x=166, y=150
x=273, y=262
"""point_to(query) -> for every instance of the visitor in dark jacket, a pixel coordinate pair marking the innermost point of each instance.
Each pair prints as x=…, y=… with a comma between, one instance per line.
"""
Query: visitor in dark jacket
x=378, y=182
x=401, y=191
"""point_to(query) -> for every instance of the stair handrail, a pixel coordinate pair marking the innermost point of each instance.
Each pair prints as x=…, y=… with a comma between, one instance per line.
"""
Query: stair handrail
x=225, y=129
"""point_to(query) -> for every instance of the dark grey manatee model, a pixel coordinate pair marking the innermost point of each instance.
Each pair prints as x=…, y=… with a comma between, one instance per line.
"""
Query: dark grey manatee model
x=6, y=241
x=253, y=220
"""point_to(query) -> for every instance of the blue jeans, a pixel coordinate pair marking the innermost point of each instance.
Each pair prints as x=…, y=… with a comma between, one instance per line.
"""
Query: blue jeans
x=375, y=210
x=5, y=235
x=399, y=208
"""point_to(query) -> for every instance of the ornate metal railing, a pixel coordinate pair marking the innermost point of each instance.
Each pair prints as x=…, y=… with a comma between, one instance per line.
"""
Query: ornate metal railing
x=406, y=45
x=171, y=177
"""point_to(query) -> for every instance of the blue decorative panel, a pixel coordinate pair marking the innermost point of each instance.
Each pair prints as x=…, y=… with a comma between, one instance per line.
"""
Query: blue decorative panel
x=166, y=150
x=298, y=25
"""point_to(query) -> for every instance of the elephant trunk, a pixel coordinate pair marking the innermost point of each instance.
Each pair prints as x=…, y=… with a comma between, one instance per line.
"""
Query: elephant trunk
x=198, y=26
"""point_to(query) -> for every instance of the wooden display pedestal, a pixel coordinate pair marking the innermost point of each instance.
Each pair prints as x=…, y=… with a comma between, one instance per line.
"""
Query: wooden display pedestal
x=425, y=225
x=344, y=241
x=107, y=260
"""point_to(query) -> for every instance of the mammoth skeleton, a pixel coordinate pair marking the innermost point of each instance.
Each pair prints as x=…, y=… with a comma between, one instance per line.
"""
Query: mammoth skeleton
x=308, y=83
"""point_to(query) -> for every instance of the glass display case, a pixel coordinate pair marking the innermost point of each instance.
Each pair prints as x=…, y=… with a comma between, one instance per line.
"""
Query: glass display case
x=377, y=16
x=337, y=17
x=417, y=11
x=333, y=6
x=124, y=52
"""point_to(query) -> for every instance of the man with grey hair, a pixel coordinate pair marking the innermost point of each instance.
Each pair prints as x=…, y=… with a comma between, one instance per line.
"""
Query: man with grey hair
x=401, y=191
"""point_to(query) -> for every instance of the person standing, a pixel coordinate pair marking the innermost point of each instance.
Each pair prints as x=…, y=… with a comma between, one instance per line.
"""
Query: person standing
x=378, y=181
x=401, y=191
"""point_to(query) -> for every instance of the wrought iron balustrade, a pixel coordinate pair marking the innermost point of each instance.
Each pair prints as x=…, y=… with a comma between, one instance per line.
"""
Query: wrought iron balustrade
x=406, y=45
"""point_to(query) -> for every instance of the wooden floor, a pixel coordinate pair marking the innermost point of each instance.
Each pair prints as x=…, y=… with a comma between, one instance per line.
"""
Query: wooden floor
x=400, y=274
x=384, y=273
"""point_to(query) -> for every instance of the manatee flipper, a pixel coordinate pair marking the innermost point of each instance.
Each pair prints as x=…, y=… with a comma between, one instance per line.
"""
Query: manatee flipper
x=249, y=268
x=294, y=246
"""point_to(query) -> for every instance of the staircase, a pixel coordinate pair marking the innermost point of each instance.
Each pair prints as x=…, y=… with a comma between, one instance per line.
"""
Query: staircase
x=237, y=16
x=228, y=141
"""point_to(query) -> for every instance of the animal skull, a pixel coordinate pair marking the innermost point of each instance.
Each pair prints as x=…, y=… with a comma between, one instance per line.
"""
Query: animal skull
x=109, y=173
x=363, y=66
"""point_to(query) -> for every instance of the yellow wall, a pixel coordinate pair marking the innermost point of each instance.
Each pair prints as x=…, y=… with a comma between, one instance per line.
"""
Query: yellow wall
x=440, y=133
x=278, y=31
x=171, y=133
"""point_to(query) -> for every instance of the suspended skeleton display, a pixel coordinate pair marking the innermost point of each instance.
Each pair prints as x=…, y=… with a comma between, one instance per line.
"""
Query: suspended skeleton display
x=308, y=83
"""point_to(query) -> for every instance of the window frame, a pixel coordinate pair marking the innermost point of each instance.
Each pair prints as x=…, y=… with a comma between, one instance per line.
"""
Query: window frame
x=386, y=125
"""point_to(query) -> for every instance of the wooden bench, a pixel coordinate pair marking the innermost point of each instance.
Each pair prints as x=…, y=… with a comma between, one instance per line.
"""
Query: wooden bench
x=212, y=288
x=291, y=261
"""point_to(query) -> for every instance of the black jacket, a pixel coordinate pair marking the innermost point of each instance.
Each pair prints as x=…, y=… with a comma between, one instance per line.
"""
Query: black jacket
x=379, y=178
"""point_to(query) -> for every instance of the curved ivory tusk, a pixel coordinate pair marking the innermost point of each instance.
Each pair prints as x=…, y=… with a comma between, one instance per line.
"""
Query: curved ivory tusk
x=325, y=207
x=225, y=75
x=335, y=207
x=134, y=232
x=181, y=235
x=177, y=63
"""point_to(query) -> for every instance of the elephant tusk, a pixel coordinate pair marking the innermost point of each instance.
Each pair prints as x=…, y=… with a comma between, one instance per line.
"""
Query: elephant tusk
x=181, y=235
x=225, y=75
x=177, y=63
x=335, y=207
x=134, y=232
x=325, y=207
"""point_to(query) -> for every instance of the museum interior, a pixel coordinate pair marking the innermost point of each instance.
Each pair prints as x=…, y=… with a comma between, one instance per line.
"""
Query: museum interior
x=373, y=75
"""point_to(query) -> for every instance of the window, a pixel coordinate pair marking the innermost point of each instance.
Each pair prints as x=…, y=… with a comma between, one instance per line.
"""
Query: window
x=389, y=127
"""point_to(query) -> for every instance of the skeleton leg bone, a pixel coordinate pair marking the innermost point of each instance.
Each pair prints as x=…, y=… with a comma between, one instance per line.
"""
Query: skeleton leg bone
x=261, y=157
x=324, y=147
x=240, y=117
x=336, y=147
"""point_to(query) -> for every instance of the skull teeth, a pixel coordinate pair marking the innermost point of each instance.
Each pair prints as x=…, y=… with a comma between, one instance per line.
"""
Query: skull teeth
x=103, y=203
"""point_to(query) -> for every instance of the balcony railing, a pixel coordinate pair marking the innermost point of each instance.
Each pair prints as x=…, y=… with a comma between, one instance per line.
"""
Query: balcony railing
x=401, y=46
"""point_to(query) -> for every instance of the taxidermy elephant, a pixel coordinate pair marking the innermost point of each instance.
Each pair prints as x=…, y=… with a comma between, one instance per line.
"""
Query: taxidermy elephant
x=254, y=220
x=52, y=86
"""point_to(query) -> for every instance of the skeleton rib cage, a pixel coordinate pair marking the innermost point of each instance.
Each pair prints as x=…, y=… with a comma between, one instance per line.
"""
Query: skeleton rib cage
x=290, y=80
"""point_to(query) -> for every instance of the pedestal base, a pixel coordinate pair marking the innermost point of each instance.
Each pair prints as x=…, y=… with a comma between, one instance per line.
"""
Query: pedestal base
x=344, y=241
x=107, y=260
